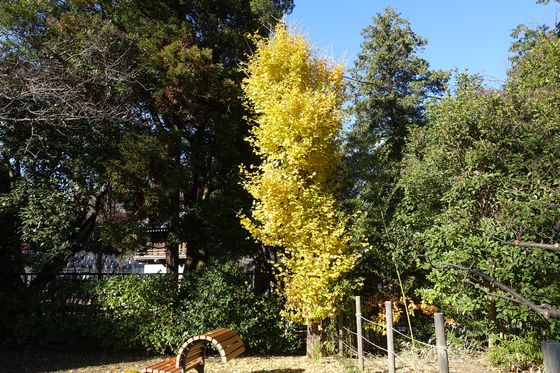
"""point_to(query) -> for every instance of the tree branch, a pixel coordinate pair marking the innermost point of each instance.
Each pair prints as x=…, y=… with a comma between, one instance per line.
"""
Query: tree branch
x=553, y=247
x=545, y=310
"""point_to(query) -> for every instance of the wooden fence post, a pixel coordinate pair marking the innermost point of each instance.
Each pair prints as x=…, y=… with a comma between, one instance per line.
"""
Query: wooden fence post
x=341, y=335
x=551, y=354
x=390, y=345
x=359, y=334
x=443, y=362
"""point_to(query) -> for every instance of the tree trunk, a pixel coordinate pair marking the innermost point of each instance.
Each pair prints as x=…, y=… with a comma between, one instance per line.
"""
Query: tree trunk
x=315, y=337
x=99, y=263
x=172, y=259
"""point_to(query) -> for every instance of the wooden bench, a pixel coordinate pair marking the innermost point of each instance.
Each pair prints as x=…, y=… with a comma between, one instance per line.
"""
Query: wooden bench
x=192, y=352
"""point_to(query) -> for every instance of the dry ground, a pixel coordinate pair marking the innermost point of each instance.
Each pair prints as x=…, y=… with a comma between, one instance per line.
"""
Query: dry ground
x=63, y=362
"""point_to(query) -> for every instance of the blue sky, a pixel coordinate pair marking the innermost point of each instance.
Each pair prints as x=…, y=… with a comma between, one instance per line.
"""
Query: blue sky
x=471, y=34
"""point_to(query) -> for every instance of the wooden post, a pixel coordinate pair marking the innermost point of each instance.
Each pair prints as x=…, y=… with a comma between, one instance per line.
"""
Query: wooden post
x=443, y=362
x=551, y=354
x=359, y=334
x=390, y=344
x=99, y=263
x=340, y=335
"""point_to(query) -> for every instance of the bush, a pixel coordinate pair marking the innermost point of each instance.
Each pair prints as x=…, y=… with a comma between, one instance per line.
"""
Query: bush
x=220, y=295
x=515, y=353
x=58, y=314
x=141, y=310
x=155, y=314
x=151, y=313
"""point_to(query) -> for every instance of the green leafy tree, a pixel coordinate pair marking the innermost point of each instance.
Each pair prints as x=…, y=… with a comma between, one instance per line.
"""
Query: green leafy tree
x=190, y=55
x=482, y=174
x=64, y=102
x=112, y=106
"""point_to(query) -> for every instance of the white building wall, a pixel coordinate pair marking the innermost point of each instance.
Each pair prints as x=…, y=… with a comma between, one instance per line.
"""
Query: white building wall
x=159, y=268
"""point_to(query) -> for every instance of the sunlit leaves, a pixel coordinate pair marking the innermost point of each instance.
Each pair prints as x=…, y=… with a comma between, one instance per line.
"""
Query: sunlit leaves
x=297, y=100
x=483, y=173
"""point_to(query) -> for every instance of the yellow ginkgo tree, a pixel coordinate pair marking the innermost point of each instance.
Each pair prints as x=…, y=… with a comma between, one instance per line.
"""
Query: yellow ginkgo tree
x=297, y=101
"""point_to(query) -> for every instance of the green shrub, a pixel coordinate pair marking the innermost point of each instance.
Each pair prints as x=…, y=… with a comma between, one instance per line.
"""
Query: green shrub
x=152, y=313
x=140, y=310
x=58, y=314
x=220, y=295
x=515, y=353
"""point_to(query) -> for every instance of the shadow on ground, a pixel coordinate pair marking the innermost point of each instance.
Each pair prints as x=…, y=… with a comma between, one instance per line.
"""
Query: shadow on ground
x=28, y=361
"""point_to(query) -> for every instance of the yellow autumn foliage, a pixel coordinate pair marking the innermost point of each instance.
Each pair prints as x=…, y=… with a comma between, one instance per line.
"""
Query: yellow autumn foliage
x=297, y=99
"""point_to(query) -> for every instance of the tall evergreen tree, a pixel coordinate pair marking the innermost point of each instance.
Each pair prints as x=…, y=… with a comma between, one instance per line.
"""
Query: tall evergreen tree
x=128, y=104
x=389, y=85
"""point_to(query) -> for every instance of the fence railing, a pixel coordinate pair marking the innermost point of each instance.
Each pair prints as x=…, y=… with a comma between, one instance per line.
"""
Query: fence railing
x=28, y=277
x=394, y=361
x=352, y=339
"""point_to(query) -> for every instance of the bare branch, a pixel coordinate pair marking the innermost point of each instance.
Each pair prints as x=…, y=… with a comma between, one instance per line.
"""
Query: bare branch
x=67, y=89
x=488, y=292
x=553, y=247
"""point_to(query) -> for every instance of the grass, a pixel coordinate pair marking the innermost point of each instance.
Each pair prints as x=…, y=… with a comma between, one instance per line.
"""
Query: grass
x=66, y=362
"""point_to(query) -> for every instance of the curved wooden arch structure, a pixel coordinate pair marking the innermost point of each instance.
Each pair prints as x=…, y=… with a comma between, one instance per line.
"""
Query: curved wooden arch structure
x=192, y=352
x=226, y=341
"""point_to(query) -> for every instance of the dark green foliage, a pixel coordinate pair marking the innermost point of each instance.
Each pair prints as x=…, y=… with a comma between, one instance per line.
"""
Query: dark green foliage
x=515, y=353
x=142, y=311
x=59, y=314
x=390, y=84
x=479, y=169
x=224, y=294
x=151, y=313
x=122, y=112
x=64, y=102
x=482, y=174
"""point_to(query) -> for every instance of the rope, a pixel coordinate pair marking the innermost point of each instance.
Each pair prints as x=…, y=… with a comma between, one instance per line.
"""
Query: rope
x=374, y=345
x=415, y=340
x=350, y=348
x=351, y=332
x=405, y=364
x=355, y=353
x=373, y=322
x=403, y=361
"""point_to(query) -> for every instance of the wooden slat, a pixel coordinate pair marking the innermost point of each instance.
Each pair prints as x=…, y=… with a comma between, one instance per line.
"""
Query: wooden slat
x=189, y=344
x=194, y=356
x=196, y=348
x=225, y=337
x=230, y=341
x=166, y=368
x=193, y=364
x=192, y=353
x=154, y=368
x=235, y=353
x=218, y=332
x=162, y=366
x=232, y=347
